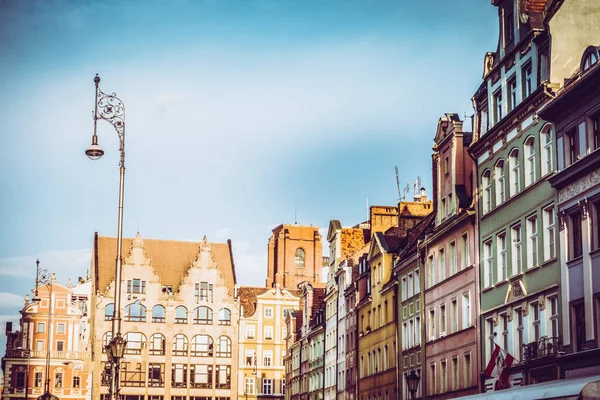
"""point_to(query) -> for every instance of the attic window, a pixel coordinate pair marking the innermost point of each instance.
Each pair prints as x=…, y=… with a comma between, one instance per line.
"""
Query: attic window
x=590, y=57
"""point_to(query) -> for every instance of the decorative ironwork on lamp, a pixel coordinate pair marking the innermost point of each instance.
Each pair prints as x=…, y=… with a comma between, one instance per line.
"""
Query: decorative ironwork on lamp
x=412, y=381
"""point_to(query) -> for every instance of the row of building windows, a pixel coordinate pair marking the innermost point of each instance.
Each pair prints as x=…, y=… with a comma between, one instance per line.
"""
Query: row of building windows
x=267, y=332
x=200, y=345
x=441, y=265
x=161, y=397
x=377, y=361
x=268, y=386
x=579, y=140
x=448, y=321
x=58, y=382
x=505, y=181
x=136, y=312
x=509, y=258
x=450, y=371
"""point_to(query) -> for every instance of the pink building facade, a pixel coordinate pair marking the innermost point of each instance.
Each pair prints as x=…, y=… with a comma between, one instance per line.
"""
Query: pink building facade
x=451, y=277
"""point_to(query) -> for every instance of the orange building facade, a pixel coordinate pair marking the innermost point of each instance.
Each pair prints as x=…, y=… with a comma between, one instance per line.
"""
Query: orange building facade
x=53, y=325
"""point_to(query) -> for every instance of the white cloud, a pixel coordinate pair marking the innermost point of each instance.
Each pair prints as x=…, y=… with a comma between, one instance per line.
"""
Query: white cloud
x=11, y=300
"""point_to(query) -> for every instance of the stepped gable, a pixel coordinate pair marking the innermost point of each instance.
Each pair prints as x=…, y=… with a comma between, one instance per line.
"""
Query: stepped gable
x=170, y=259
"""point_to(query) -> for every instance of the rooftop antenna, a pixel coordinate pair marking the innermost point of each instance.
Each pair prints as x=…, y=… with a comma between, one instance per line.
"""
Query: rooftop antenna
x=417, y=190
x=295, y=212
x=398, y=184
x=368, y=211
x=405, y=191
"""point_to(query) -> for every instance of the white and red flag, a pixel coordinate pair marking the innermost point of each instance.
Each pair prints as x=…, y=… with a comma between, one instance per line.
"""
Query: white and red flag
x=499, y=367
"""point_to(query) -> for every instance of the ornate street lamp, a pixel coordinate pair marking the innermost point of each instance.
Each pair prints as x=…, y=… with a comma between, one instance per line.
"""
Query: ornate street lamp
x=412, y=381
x=44, y=277
x=110, y=108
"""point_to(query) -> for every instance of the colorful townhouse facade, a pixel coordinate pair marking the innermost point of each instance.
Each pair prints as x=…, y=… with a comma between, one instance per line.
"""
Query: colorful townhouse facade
x=522, y=307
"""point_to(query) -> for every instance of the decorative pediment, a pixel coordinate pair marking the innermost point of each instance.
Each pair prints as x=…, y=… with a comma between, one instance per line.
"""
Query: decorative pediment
x=137, y=254
x=516, y=290
x=204, y=257
x=334, y=226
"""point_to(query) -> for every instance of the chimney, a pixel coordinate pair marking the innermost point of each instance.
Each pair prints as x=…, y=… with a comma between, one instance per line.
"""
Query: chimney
x=8, y=327
x=423, y=195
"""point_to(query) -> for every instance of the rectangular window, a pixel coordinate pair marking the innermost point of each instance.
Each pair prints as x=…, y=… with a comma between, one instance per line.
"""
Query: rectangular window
x=431, y=325
x=535, y=322
x=572, y=138
x=60, y=345
x=178, y=378
x=268, y=312
x=60, y=329
x=533, y=242
x=491, y=337
x=76, y=382
x=442, y=320
x=502, y=258
x=431, y=271
x=467, y=370
x=498, y=106
x=417, y=282
x=454, y=380
x=267, y=358
x=203, y=291
x=454, y=322
x=268, y=333
x=576, y=238
x=466, y=310
x=488, y=264
x=409, y=285
x=549, y=233
x=465, y=251
x=39, y=345
x=443, y=377
x=267, y=386
x=432, y=385
x=156, y=375
x=41, y=327
x=527, y=80
x=223, y=377
x=20, y=379
x=38, y=379
x=249, y=389
x=509, y=27
x=596, y=130
x=512, y=90
x=517, y=256
x=547, y=152
x=519, y=332
x=250, y=331
x=453, y=260
x=442, y=265
x=58, y=379
x=554, y=327
x=504, y=327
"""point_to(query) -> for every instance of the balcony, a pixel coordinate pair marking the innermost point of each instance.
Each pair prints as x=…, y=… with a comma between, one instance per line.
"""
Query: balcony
x=545, y=347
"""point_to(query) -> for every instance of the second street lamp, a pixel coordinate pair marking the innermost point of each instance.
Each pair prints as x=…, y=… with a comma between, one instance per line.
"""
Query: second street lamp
x=110, y=108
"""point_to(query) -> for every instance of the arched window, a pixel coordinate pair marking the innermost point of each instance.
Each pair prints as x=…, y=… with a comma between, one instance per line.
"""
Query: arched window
x=158, y=313
x=224, y=316
x=202, y=346
x=487, y=191
x=180, y=345
x=136, y=341
x=224, y=347
x=135, y=312
x=203, y=316
x=109, y=311
x=500, y=183
x=106, y=340
x=590, y=57
x=546, y=137
x=529, y=161
x=515, y=173
x=181, y=315
x=299, y=258
x=157, y=344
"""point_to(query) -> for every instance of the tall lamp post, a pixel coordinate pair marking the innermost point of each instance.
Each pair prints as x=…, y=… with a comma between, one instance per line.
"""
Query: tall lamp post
x=44, y=277
x=111, y=109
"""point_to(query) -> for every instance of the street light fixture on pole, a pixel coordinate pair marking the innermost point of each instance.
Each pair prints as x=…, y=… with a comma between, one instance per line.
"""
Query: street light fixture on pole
x=110, y=108
x=412, y=381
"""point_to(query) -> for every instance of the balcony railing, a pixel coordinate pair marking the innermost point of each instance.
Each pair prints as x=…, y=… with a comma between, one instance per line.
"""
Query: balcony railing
x=544, y=347
x=72, y=355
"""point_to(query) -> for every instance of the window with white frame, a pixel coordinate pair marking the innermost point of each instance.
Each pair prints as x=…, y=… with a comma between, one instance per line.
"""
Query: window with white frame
x=488, y=264
x=532, y=242
x=465, y=251
x=549, y=233
x=553, y=307
x=527, y=80
x=432, y=385
x=268, y=312
x=404, y=288
x=498, y=106
x=466, y=310
x=267, y=358
x=417, y=337
x=410, y=285
x=454, y=315
x=534, y=317
x=529, y=161
x=249, y=389
x=504, y=331
x=431, y=268
x=500, y=183
x=453, y=259
x=512, y=92
x=431, y=324
x=502, y=256
x=417, y=282
x=491, y=338
x=517, y=256
x=443, y=319
x=547, y=152
x=515, y=177
x=519, y=331
x=487, y=192
x=250, y=331
x=442, y=262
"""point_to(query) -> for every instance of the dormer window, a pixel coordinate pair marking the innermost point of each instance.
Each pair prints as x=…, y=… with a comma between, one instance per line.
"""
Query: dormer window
x=509, y=27
x=590, y=57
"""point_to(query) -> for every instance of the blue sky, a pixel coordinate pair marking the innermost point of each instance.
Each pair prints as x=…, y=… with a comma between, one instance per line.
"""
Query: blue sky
x=238, y=114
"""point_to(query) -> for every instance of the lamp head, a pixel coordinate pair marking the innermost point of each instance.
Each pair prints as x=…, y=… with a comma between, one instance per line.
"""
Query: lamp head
x=94, y=152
